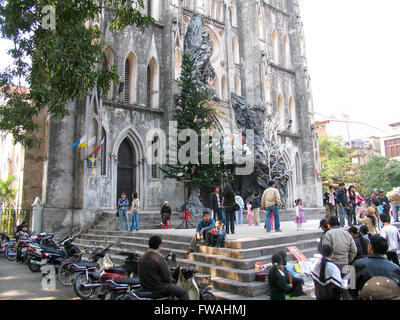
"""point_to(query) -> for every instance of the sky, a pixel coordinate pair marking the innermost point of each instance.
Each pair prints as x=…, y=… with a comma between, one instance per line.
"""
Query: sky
x=353, y=55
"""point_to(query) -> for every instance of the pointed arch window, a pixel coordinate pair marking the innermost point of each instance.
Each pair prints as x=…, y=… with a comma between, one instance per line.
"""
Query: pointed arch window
x=104, y=152
x=152, y=84
x=275, y=46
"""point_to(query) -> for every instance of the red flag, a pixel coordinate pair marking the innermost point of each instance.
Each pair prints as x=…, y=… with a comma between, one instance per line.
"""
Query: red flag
x=99, y=147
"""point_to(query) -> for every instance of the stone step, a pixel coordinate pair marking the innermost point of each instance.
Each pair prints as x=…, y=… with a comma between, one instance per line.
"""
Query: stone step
x=137, y=240
x=141, y=234
x=226, y=287
x=244, y=248
x=223, y=295
x=246, y=264
x=232, y=273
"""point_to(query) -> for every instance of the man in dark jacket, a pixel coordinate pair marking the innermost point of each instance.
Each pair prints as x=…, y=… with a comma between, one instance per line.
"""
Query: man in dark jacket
x=229, y=202
x=216, y=204
x=384, y=201
x=154, y=274
x=375, y=264
x=341, y=201
x=362, y=246
x=203, y=229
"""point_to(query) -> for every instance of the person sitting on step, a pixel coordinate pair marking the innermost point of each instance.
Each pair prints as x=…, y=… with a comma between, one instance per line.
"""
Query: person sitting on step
x=218, y=235
x=165, y=216
x=203, y=229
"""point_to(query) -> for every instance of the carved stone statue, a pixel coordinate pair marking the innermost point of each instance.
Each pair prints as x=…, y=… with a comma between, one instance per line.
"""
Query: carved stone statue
x=197, y=43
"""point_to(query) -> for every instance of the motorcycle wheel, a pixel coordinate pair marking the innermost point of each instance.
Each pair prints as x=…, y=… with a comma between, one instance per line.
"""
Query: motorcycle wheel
x=64, y=276
x=207, y=296
x=80, y=292
x=117, y=296
x=11, y=254
x=33, y=267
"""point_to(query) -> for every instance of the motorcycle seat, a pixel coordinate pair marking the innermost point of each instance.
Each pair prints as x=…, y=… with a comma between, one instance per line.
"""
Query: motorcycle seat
x=116, y=270
x=129, y=281
x=86, y=264
x=149, y=294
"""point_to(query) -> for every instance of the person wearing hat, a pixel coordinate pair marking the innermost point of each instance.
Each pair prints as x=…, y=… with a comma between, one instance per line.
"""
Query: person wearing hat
x=326, y=276
x=375, y=264
x=370, y=220
x=380, y=288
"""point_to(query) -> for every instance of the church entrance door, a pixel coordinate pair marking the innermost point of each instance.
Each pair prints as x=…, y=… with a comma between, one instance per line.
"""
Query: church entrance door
x=126, y=181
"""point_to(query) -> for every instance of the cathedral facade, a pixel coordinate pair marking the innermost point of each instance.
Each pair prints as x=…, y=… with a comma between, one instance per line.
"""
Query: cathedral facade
x=258, y=52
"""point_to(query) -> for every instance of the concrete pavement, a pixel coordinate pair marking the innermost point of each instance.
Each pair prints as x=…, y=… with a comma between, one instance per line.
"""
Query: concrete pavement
x=17, y=282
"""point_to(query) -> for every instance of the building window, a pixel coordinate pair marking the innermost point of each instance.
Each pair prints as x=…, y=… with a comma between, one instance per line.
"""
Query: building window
x=238, y=89
x=235, y=49
x=152, y=84
x=275, y=46
x=392, y=148
x=292, y=114
x=287, y=51
x=281, y=112
x=299, y=179
x=108, y=61
x=104, y=152
x=155, y=167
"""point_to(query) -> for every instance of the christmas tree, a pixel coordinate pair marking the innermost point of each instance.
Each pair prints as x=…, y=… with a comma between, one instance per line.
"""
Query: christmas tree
x=194, y=112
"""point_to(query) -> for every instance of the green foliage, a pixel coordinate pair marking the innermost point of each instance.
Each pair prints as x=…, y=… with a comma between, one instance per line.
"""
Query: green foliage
x=194, y=112
x=7, y=192
x=381, y=173
x=57, y=65
x=337, y=162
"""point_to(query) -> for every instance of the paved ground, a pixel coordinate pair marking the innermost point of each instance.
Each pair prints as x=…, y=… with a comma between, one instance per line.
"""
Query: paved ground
x=17, y=282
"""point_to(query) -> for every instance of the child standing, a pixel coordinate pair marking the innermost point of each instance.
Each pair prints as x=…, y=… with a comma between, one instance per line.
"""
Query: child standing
x=250, y=213
x=218, y=235
x=300, y=218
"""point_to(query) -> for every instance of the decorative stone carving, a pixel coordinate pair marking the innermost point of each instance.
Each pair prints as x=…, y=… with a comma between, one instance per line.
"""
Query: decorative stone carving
x=198, y=44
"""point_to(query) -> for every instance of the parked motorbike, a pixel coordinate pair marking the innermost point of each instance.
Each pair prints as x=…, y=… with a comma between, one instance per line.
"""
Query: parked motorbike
x=10, y=251
x=115, y=285
x=45, y=254
x=198, y=288
x=87, y=274
x=5, y=243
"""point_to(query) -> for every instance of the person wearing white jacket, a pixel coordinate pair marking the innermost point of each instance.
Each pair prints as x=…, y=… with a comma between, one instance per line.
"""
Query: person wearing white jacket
x=239, y=213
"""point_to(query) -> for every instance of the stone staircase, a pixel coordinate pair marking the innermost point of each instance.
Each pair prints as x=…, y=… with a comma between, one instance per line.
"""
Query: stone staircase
x=231, y=267
x=147, y=220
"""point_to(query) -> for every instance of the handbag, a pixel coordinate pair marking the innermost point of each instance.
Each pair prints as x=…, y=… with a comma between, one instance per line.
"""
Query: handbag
x=117, y=213
x=236, y=207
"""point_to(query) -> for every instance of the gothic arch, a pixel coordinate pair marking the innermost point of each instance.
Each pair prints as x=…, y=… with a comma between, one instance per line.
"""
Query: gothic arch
x=286, y=45
x=130, y=92
x=141, y=169
x=108, y=62
x=275, y=46
x=153, y=84
x=178, y=63
x=235, y=49
x=298, y=166
x=238, y=87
